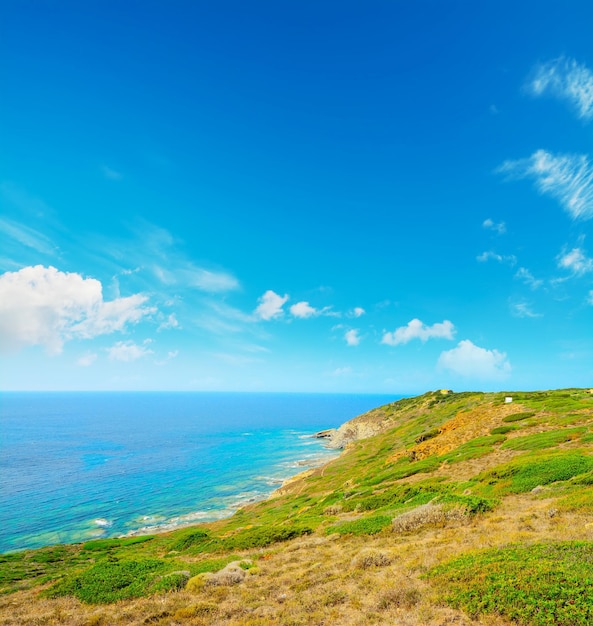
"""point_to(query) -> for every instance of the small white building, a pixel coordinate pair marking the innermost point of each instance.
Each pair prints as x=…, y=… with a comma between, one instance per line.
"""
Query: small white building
x=508, y=399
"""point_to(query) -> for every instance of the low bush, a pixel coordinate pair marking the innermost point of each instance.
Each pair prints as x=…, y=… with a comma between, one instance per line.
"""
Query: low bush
x=188, y=539
x=363, y=526
x=529, y=471
x=99, y=545
x=547, y=439
x=370, y=558
x=263, y=536
x=109, y=581
x=428, y=515
x=517, y=417
x=502, y=430
x=538, y=585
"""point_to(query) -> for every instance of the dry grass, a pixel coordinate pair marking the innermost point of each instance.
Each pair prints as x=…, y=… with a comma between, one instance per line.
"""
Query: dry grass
x=322, y=580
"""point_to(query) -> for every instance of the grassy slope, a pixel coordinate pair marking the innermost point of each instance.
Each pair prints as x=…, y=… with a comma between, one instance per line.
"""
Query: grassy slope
x=426, y=523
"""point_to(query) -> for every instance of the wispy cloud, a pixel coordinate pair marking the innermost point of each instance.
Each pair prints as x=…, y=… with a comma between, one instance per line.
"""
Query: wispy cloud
x=575, y=261
x=87, y=359
x=522, y=309
x=28, y=237
x=510, y=259
x=161, y=255
x=528, y=278
x=357, y=311
x=566, y=79
x=43, y=306
x=168, y=323
x=352, y=337
x=270, y=305
x=499, y=227
x=590, y=298
x=566, y=177
x=418, y=330
x=472, y=361
x=128, y=351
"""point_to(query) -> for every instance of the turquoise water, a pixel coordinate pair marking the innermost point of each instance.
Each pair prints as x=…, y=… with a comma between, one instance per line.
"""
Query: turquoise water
x=76, y=466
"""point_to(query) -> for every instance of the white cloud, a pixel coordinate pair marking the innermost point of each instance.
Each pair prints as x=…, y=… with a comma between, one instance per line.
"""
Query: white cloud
x=575, y=262
x=170, y=322
x=511, y=259
x=565, y=79
x=87, y=359
x=352, y=337
x=303, y=310
x=471, y=361
x=522, y=309
x=417, y=330
x=590, y=298
x=499, y=227
x=528, y=278
x=127, y=351
x=566, y=177
x=358, y=311
x=270, y=305
x=43, y=306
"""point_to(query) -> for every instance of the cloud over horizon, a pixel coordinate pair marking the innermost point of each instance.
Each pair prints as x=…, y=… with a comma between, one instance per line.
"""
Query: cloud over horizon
x=471, y=361
x=44, y=306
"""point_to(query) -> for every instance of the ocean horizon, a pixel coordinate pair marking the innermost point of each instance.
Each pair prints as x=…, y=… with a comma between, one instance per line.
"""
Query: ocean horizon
x=77, y=466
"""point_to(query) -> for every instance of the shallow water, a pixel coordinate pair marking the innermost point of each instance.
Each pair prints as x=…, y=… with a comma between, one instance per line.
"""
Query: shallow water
x=76, y=466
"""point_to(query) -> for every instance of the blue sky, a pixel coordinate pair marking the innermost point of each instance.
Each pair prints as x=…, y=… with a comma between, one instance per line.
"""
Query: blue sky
x=296, y=196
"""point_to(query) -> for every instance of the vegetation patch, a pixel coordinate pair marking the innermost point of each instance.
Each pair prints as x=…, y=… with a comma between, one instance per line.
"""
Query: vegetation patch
x=99, y=545
x=517, y=417
x=529, y=471
x=364, y=526
x=110, y=581
x=536, y=585
x=548, y=439
x=502, y=430
x=480, y=446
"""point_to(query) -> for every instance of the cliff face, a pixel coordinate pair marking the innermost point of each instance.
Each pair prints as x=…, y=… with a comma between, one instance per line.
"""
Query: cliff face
x=358, y=428
x=361, y=427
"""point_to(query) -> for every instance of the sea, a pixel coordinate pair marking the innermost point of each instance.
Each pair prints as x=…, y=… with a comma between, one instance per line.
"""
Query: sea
x=82, y=466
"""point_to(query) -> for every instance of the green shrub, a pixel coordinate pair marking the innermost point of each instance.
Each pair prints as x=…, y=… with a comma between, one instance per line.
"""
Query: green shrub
x=187, y=539
x=109, y=581
x=517, y=417
x=535, y=585
x=263, y=536
x=429, y=434
x=540, y=441
x=49, y=555
x=473, y=504
x=171, y=582
x=364, y=526
x=528, y=471
x=109, y=544
x=502, y=430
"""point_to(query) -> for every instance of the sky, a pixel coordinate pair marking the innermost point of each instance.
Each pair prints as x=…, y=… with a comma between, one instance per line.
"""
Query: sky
x=365, y=197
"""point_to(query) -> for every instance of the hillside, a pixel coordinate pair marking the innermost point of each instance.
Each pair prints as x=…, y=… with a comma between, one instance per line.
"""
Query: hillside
x=447, y=508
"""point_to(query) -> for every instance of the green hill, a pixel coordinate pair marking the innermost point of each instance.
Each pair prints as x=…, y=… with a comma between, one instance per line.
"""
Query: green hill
x=448, y=508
